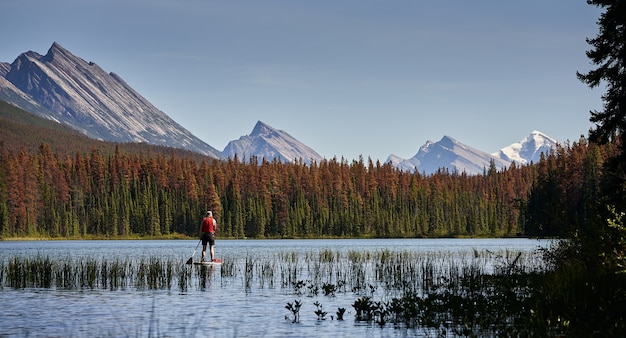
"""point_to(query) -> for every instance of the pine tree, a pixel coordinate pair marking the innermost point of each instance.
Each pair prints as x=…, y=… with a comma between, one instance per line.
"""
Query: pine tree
x=609, y=54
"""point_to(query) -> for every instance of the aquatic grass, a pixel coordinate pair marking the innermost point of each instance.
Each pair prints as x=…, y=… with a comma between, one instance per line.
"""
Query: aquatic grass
x=2, y=273
x=87, y=273
x=16, y=273
x=228, y=268
x=65, y=274
x=248, y=272
x=327, y=271
x=266, y=274
x=154, y=274
x=289, y=268
x=23, y=272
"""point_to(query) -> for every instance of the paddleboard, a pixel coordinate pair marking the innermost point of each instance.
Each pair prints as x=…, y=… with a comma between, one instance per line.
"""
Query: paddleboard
x=214, y=262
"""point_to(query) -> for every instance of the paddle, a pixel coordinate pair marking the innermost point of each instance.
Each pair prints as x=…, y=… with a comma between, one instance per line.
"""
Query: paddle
x=190, y=260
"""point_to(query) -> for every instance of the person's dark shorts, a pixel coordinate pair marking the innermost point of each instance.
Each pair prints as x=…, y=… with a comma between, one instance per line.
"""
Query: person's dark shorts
x=208, y=237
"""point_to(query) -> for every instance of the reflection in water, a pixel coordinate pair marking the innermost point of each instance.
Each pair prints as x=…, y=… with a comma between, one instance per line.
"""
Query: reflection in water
x=205, y=276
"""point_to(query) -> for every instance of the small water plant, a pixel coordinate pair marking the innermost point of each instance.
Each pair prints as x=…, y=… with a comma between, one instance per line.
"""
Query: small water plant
x=340, y=312
x=295, y=310
x=319, y=311
x=363, y=307
x=329, y=289
x=298, y=286
x=314, y=289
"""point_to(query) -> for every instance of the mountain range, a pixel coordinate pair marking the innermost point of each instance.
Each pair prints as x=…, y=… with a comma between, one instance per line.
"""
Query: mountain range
x=458, y=157
x=64, y=88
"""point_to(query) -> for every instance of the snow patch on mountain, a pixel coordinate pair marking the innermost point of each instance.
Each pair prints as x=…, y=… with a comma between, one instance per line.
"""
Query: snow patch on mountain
x=529, y=149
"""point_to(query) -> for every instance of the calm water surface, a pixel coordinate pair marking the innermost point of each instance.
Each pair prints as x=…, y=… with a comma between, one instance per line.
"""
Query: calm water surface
x=224, y=307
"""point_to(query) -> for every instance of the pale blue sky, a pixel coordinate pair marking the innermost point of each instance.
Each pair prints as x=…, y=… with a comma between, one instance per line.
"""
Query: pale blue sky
x=347, y=78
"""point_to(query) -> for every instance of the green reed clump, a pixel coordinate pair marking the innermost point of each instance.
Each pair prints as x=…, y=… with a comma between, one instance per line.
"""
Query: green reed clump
x=119, y=273
x=87, y=273
x=357, y=271
x=23, y=272
x=228, y=269
x=16, y=274
x=328, y=256
x=248, y=272
x=154, y=274
x=396, y=270
x=266, y=274
x=2, y=272
x=289, y=271
x=65, y=274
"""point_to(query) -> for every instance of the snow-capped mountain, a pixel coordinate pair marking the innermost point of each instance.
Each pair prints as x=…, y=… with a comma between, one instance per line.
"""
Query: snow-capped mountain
x=65, y=88
x=269, y=143
x=451, y=154
x=528, y=149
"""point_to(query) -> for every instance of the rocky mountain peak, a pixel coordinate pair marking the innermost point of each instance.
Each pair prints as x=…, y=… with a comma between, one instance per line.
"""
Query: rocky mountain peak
x=265, y=142
x=262, y=129
x=99, y=104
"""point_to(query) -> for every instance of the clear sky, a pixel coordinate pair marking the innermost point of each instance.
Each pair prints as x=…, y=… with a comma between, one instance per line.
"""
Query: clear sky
x=347, y=78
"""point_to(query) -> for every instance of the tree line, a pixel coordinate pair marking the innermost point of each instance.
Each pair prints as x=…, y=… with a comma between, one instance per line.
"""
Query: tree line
x=123, y=194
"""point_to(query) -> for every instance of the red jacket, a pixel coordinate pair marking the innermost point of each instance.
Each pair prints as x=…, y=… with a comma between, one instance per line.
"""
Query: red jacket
x=208, y=224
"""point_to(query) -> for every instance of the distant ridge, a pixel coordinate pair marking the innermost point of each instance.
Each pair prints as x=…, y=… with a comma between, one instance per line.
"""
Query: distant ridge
x=268, y=143
x=448, y=154
x=65, y=88
x=453, y=156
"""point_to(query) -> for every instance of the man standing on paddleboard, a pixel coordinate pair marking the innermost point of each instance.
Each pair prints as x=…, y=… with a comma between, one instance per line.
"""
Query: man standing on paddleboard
x=207, y=234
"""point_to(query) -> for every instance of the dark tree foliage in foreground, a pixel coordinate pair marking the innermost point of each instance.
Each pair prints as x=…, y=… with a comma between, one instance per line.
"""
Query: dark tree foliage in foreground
x=608, y=53
x=584, y=295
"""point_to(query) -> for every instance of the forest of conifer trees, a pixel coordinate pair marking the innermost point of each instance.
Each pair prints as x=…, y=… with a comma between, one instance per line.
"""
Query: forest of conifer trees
x=141, y=194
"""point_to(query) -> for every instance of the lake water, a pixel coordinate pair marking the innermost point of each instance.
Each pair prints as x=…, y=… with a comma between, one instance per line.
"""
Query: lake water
x=230, y=301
